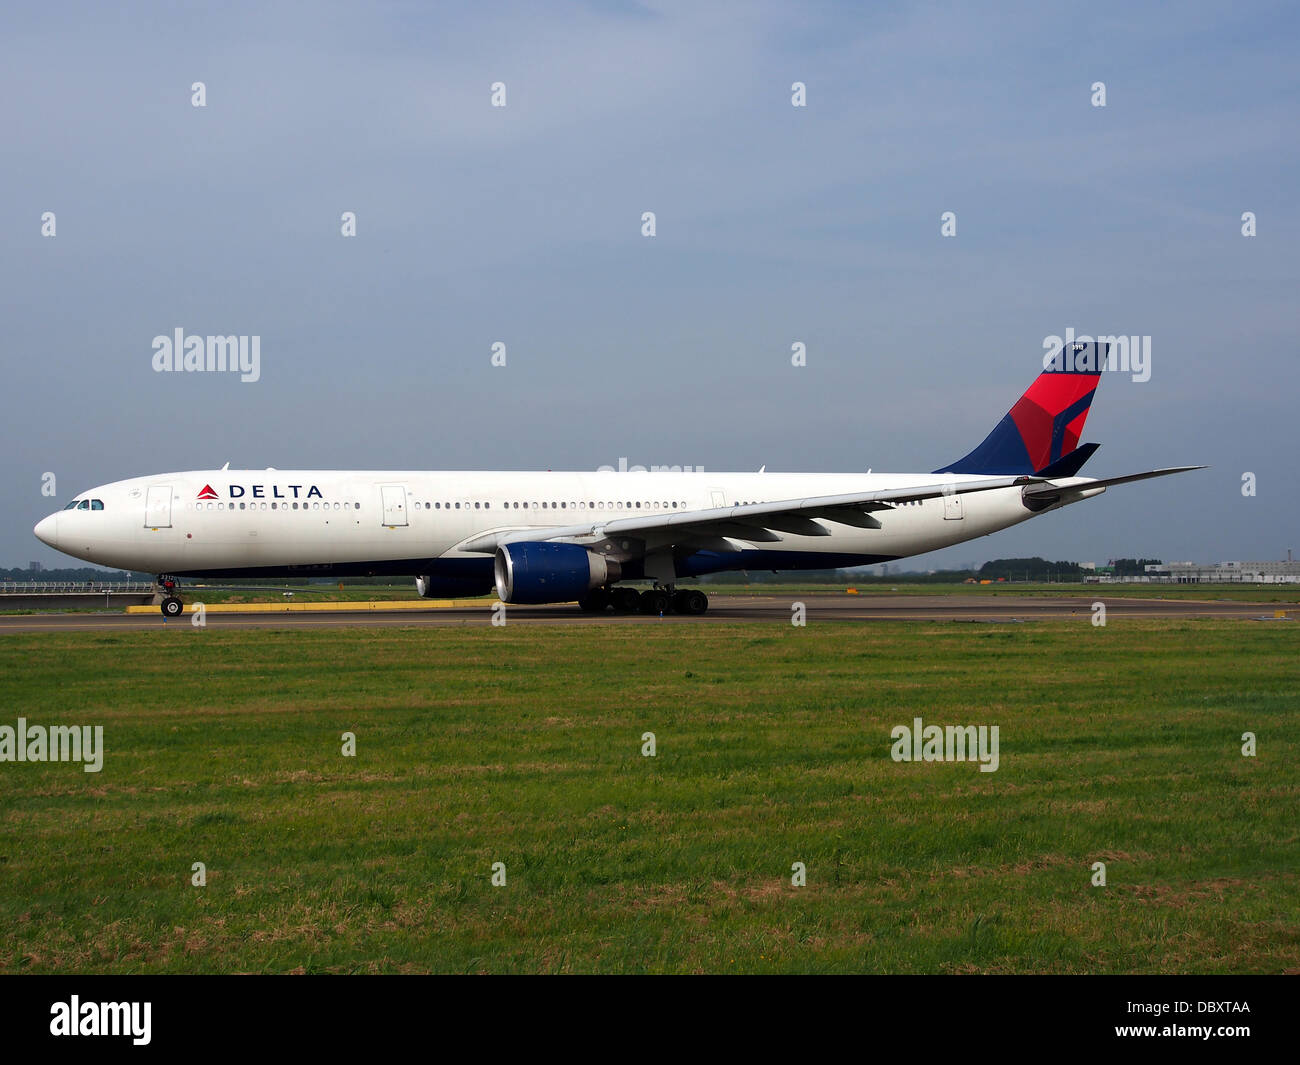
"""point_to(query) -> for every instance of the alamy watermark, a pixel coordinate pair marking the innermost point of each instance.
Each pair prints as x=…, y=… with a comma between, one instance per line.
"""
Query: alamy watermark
x=211, y=354
x=950, y=743
x=75, y=1017
x=58, y=743
x=623, y=467
x=1077, y=354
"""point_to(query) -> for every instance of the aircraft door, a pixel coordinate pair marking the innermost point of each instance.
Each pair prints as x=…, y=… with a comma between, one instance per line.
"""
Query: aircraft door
x=394, y=497
x=158, y=507
x=952, y=510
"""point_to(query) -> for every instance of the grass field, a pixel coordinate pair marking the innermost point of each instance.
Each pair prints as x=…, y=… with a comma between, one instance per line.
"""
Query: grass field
x=522, y=746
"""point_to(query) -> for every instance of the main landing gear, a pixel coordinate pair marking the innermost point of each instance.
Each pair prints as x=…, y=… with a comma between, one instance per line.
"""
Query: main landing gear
x=172, y=607
x=652, y=601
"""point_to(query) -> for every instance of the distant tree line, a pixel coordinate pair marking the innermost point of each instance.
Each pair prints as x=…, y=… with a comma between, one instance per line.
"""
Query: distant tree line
x=82, y=573
x=1029, y=569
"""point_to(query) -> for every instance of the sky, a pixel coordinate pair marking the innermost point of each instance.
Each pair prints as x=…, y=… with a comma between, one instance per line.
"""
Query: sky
x=775, y=224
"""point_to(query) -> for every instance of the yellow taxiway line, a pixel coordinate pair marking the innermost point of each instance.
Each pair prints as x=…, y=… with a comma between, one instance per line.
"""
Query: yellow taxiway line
x=375, y=605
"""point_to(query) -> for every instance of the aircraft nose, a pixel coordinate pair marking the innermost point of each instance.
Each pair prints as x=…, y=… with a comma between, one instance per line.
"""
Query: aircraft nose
x=47, y=530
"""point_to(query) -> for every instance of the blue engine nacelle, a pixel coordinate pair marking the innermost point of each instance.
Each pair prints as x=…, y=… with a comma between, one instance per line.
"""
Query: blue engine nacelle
x=550, y=573
x=451, y=587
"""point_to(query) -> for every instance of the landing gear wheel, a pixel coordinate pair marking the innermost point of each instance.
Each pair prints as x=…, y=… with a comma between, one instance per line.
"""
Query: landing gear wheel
x=172, y=607
x=595, y=601
x=625, y=600
x=654, y=601
x=696, y=602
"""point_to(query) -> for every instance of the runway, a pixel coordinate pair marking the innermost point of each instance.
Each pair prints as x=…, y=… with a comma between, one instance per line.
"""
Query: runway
x=818, y=608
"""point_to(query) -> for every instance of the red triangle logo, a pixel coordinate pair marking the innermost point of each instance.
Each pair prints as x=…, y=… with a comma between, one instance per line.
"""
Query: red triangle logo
x=207, y=492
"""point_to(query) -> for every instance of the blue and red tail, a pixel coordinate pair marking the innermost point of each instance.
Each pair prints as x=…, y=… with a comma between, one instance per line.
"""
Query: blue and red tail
x=1040, y=434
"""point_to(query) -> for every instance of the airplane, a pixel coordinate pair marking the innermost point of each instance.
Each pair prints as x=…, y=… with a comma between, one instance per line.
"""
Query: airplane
x=556, y=537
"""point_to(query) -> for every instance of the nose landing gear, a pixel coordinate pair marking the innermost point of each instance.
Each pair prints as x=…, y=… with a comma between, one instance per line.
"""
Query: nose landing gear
x=171, y=605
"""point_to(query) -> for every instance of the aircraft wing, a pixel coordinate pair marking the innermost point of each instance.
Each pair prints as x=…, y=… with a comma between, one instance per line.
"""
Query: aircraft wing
x=753, y=523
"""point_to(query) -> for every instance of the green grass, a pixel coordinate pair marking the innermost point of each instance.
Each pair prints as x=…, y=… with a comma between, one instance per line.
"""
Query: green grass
x=522, y=745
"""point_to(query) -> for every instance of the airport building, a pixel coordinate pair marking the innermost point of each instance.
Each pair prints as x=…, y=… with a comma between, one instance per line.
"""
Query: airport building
x=1284, y=572
x=1287, y=572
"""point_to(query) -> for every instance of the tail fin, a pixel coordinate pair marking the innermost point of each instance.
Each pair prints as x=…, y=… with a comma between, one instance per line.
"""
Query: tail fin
x=1044, y=426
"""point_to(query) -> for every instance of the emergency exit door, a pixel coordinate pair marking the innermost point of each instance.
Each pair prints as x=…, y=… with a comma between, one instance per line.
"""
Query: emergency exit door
x=158, y=507
x=394, y=496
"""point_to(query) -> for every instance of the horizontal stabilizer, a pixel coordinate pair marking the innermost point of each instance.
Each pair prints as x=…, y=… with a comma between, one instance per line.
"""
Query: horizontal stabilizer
x=1069, y=465
x=1048, y=488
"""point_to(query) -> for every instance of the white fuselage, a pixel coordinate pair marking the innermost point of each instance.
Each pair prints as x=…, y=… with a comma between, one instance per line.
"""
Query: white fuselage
x=335, y=522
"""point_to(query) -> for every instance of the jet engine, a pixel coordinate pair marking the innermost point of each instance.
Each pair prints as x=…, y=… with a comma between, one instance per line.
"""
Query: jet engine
x=550, y=573
x=432, y=587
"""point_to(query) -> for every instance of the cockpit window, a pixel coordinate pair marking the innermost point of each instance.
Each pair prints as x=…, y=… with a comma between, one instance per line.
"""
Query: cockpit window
x=84, y=505
x=96, y=504
x=72, y=505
